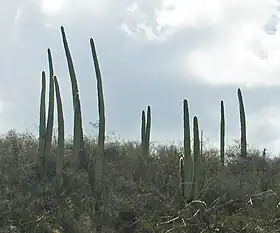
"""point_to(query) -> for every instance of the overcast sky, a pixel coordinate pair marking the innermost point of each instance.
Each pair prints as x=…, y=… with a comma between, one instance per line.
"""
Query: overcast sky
x=154, y=52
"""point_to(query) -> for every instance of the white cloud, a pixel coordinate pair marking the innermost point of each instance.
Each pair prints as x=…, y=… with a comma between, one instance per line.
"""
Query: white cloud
x=74, y=8
x=247, y=55
x=178, y=13
x=238, y=44
x=50, y=7
x=239, y=50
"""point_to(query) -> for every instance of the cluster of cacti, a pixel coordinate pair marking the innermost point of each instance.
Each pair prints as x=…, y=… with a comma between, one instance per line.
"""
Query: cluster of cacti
x=243, y=140
x=45, y=133
x=189, y=166
x=145, y=133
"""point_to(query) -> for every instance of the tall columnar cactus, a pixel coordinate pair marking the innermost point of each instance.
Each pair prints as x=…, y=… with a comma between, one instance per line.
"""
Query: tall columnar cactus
x=78, y=144
x=99, y=157
x=222, y=134
x=60, y=151
x=243, y=125
x=49, y=130
x=196, y=156
x=186, y=161
x=45, y=134
x=145, y=133
x=42, y=126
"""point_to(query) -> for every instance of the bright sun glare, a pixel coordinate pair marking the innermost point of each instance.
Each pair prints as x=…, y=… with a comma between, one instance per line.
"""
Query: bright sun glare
x=52, y=7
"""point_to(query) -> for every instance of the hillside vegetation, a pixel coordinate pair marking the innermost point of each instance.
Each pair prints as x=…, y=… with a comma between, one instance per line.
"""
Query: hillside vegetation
x=241, y=197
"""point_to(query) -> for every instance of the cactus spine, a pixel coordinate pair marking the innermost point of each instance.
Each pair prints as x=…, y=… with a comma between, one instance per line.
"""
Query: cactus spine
x=243, y=125
x=145, y=133
x=186, y=161
x=222, y=134
x=196, y=156
x=78, y=145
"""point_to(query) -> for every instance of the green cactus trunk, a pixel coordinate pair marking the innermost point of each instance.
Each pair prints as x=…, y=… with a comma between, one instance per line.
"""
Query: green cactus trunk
x=42, y=127
x=186, y=161
x=243, y=125
x=181, y=176
x=60, y=151
x=222, y=134
x=148, y=131
x=99, y=157
x=145, y=133
x=196, y=156
x=78, y=137
x=78, y=144
x=201, y=142
x=49, y=130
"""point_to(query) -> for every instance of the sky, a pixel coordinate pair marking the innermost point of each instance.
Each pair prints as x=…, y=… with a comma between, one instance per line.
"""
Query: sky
x=151, y=52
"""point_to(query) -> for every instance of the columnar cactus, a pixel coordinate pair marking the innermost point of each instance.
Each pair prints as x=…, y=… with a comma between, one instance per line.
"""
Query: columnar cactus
x=145, y=133
x=243, y=125
x=45, y=134
x=196, y=156
x=60, y=150
x=222, y=134
x=49, y=130
x=42, y=126
x=99, y=157
x=189, y=167
x=95, y=170
x=186, y=161
x=78, y=144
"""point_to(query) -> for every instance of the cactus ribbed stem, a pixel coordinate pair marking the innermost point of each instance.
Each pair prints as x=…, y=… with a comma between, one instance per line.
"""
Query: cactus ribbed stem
x=145, y=133
x=60, y=151
x=42, y=126
x=187, y=160
x=78, y=147
x=49, y=130
x=222, y=134
x=148, y=131
x=243, y=125
x=99, y=157
x=196, y=152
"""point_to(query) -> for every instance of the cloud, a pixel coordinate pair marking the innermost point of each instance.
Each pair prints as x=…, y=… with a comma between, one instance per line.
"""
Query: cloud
x=238, y=41
x=50, y=7
x=74, y=8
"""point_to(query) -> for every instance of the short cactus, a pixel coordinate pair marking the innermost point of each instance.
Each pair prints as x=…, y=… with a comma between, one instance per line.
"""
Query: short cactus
x=145, y=133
